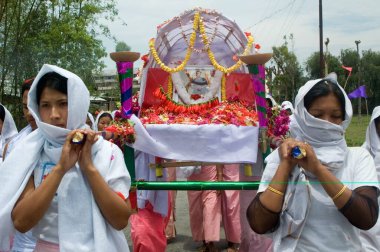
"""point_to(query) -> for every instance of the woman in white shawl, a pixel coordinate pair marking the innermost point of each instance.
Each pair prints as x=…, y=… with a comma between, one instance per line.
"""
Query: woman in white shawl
x=72, y=195
x=318, y=202
x=371, y=238
x=8, y=128
x=103, y=119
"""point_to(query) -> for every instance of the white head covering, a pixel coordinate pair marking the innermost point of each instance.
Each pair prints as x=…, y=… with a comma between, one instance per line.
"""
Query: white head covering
x=287, y=105
x=91, y=117
x=93, y=232
x=326, y=138
x=8, y=131
x=78, y=104
x=372, y=139
x=95, y=127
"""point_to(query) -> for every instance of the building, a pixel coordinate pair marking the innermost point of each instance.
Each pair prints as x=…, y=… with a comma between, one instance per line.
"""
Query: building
x=107, y=90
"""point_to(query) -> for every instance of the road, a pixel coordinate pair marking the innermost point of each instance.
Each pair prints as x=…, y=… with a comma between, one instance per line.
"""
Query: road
x=183, y=240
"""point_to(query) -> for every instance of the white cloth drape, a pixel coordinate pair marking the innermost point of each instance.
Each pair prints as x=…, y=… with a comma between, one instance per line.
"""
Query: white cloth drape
x=207, y=143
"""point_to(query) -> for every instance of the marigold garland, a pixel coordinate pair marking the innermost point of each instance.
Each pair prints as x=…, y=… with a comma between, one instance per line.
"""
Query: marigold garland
x=188, y=52
x=199, y=25
x=223, y=88
x=212, y=57
x=170, y=87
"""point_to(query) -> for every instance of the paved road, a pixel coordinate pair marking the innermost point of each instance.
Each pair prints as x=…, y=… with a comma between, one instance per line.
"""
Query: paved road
x=183, y=241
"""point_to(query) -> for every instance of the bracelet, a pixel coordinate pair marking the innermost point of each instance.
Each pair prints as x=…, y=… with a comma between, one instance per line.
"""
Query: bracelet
x=275, y=191
x=339, y=193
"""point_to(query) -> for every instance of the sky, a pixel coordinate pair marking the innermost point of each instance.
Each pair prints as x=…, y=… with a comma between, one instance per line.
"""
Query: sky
x=344, y=21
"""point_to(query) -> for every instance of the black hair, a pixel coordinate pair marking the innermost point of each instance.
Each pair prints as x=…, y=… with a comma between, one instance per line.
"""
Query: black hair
x=377, y=120
x=324, y=88
x=51, y=80
x=26, y=85
x=105, y=114
x=2, y=113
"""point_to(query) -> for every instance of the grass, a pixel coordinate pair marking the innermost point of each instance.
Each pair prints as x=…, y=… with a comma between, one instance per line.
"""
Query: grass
x=355, y=134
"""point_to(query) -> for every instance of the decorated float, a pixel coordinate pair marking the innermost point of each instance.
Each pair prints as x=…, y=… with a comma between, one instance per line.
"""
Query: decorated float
x=202, y=99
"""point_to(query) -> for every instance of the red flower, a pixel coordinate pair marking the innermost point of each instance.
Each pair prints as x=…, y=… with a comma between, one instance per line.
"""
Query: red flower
x=195, y=96
x=247, y=34
x=145, y=58
x=257, y=46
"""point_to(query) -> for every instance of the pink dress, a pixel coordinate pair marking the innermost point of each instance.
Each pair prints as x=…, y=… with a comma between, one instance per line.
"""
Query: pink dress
x=231, y=205
x=205, y=208
x=147, y=230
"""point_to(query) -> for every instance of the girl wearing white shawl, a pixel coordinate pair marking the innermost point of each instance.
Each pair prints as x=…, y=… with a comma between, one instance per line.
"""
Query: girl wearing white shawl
x=8, y=128
x=371, y=238
x=287, y=105
x=318, y=202
x=72, y=195
x=103, y=119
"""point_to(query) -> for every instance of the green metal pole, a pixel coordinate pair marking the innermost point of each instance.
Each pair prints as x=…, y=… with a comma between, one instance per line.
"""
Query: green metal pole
x=196, y=185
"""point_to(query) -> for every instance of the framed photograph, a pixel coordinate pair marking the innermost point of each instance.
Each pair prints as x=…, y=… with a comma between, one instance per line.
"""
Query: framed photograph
x=196, y=84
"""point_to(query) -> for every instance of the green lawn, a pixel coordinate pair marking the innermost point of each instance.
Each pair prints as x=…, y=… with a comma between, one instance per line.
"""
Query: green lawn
x=355, y=134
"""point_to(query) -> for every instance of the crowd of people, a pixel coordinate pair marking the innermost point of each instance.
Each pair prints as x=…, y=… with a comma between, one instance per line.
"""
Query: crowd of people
x=65, y=196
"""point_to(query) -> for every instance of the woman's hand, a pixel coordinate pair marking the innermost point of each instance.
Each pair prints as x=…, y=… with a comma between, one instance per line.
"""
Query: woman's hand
x=70, y=152
x=85, y=157
x=310, y=162
x=287, y=161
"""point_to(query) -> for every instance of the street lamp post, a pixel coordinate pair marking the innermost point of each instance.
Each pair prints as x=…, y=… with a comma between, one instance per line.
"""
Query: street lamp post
x=321, y=63
x=326, y=57
x=357, y=42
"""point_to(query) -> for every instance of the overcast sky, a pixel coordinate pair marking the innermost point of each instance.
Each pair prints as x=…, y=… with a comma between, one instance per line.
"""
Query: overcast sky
x=344, y=21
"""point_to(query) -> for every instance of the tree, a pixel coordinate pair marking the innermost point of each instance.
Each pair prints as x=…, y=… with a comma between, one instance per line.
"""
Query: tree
x=371, y=77
x=64, y=33
x=312, y=66
x=286, y=71
x=122, y=46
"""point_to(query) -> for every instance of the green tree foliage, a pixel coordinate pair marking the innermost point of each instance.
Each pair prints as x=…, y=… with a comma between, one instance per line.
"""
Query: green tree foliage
x=285, y=75
x=59, y=32
x=370, y=65
x=122, y=46
x=312, y=65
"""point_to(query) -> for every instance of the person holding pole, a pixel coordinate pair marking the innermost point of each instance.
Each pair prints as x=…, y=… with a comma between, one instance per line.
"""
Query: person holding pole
x=71, y=186
x=316, y=193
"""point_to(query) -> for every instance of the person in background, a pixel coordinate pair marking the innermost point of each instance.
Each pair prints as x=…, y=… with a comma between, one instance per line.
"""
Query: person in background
x=371, y=238
x=205, y=210
x=288, y=106
x=64, y=175
x=24, y=242
x=307, y=213
x=8, y=129
x=102, y=121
